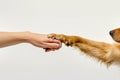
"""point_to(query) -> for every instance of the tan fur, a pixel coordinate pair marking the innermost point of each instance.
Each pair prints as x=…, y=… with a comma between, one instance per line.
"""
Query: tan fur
x=104, y=52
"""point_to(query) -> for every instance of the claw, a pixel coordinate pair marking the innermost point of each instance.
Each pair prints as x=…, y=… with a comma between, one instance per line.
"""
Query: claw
x=49, y=35
x=57, y=38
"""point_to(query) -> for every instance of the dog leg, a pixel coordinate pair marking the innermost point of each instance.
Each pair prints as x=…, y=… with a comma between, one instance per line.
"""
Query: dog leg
x=98, y=50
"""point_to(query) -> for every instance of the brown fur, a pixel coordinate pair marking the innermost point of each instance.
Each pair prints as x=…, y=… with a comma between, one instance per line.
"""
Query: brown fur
x=104, y=52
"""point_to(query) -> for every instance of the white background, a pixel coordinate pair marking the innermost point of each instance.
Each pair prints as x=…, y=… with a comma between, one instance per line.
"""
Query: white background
x=91, y=19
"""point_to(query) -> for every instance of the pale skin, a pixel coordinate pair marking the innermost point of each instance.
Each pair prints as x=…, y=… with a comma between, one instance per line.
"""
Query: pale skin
x=36, y=39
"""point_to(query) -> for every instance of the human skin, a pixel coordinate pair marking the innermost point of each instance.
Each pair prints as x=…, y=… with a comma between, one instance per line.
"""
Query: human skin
x=36, y=39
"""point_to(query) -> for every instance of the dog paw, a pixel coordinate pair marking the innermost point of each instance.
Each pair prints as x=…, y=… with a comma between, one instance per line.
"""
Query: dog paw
x=67, y=40
x=53, y=36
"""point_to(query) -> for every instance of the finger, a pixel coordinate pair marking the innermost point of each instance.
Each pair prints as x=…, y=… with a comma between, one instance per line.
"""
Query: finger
x=51, y=45
x=48, y=50
x=56, y=42
x=53, y=41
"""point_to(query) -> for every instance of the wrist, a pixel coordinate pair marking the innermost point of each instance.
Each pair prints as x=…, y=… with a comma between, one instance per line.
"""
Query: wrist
x=23, y=36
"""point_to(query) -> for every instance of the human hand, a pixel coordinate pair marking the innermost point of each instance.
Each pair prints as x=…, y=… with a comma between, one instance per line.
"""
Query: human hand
x=42, y=40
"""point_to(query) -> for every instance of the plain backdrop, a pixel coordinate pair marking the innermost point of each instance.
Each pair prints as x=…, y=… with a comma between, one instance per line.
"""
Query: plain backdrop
x=92, y=19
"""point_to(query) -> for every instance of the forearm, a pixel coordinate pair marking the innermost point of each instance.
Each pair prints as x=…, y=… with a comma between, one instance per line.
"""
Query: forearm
x=12, y=38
